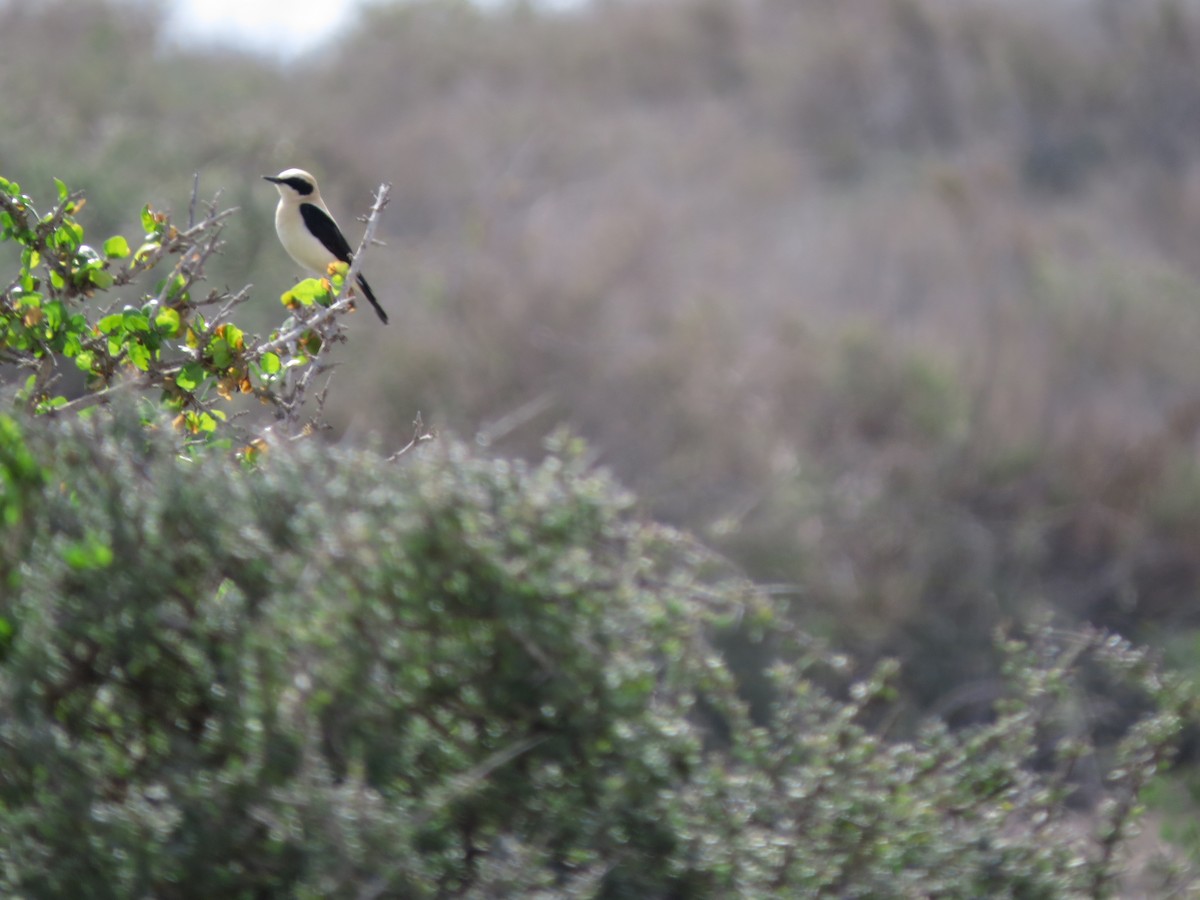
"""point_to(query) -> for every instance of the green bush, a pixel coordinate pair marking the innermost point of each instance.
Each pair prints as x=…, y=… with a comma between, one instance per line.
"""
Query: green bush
x=335, y=675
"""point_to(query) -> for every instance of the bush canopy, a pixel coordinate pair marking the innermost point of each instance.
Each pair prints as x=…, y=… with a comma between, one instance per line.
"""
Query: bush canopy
x=330, y=674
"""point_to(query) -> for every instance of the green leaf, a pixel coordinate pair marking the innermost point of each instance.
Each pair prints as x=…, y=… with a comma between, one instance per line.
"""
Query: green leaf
x=139, y=355
x=309, y=291
x=111, y=323
x=221, y=355
x=148, y=223
x=116, y=247
x=101, y=279
x=135, y=321
x=168, y=321
x=62, y=189
x=190, y=376
x=202, y=422
x=57, y=281
x=54, y=315
x=174, y=287
x=68, y=235
x=269, y=364
x=50, y=403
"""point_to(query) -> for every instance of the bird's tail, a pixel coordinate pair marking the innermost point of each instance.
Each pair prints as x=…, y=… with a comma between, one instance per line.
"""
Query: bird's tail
x=370, y=294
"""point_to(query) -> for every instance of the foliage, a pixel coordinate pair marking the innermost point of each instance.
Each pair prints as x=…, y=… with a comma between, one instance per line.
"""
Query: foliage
x=332, y=675
x=660, y=221
x=167, y=342
x=892, y=300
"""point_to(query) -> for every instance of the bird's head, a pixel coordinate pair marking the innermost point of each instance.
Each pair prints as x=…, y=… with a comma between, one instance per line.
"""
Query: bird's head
x=294, y=184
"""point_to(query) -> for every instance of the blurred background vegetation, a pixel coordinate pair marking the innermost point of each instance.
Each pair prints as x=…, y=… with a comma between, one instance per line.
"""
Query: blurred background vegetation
x=893, y=302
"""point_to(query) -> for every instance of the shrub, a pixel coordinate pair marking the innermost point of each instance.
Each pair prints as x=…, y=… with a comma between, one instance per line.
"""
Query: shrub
x=334, y=675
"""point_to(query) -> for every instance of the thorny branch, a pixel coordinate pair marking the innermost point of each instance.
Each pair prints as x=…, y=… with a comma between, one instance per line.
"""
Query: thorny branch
x=344, y=299
x=302, y=345
x=289, y=395
x=198, y=242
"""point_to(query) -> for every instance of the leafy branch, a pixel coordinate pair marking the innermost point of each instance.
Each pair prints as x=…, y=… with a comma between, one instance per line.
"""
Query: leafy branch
x=168, y=339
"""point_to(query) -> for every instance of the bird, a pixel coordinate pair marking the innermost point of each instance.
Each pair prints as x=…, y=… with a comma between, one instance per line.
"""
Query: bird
x=307, y=230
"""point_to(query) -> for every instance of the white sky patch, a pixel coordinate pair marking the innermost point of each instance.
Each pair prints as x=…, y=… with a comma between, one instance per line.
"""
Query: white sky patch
x=285, y=28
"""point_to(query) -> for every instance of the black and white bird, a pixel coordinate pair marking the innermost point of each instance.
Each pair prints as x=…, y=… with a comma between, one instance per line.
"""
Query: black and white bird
x=307, y=230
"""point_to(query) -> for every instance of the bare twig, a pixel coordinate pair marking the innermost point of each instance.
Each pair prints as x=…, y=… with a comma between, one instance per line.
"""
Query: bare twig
x=189, y=266
x=95, y=398
x=292, y=400
x=192, y=202
x=181, y=238
x=420, y=436
x=231, y=300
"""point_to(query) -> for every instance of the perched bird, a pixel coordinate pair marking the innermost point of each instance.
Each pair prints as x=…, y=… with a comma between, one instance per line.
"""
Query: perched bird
x=307, y=230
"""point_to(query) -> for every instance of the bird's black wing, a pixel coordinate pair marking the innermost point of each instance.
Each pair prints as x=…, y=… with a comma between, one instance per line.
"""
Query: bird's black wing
x=325, y=230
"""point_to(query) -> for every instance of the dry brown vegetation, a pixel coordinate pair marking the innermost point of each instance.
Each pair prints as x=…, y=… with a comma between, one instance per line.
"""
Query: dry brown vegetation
x=894, y=301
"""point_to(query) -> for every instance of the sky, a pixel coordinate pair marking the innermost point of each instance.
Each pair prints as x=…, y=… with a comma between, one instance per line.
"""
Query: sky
x=286, y=28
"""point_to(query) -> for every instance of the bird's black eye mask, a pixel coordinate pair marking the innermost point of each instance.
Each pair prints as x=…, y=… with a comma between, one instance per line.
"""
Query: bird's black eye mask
x=299, y=185
x=296, y=183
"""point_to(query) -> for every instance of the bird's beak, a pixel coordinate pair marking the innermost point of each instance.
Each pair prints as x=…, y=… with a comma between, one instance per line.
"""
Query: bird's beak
x=272, y=178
